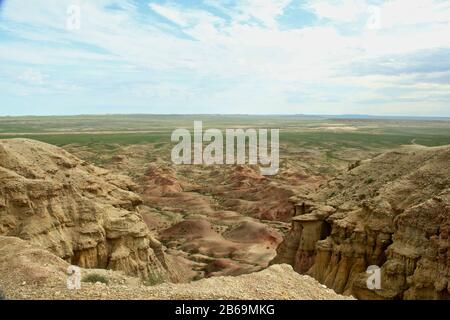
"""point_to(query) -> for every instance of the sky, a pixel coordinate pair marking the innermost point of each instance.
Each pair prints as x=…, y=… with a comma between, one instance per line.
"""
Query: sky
x=221, y=56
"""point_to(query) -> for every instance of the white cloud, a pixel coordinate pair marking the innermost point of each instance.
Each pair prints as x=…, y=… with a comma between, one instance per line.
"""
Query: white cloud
x=260, y=61
x=397, y=13
x=265, y=11
x=185, y=17
x=32, y=77
x=338, y=11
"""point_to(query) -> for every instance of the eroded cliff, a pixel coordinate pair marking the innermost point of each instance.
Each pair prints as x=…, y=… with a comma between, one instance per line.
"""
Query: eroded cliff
x=393, y=212
x=79, y=212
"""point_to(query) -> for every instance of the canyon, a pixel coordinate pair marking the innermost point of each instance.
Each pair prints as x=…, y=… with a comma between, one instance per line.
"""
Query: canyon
x=57, y=210
x=125, y=213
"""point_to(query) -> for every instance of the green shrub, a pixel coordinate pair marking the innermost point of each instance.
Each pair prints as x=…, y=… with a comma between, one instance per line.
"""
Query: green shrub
x=154, y=279
x=94, y=278
x=369, y=180
x=2, y=295
x=198, y=277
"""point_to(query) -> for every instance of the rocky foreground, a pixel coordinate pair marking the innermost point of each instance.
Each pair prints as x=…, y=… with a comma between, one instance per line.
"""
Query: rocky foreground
x=29, y=272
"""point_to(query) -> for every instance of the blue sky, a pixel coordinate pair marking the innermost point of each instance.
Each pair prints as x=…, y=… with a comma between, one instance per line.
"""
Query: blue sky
x=251, y=56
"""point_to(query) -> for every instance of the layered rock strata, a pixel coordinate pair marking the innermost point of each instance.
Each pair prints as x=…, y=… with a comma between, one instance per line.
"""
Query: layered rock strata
x=79, y=212
x=392, y=212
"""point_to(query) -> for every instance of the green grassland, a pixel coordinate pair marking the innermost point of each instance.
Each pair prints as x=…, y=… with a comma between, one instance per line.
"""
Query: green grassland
x=331, y=134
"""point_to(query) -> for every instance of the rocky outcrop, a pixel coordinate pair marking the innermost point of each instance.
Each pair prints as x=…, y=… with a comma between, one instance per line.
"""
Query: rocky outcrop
x=393, y=212
x=79, y=212
x=299, y=246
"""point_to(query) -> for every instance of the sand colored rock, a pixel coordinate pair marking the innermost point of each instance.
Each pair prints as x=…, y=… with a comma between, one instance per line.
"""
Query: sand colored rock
x=79, y=212
x=392, y=211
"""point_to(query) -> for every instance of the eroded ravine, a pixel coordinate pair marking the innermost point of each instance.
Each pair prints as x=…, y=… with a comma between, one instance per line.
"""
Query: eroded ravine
x=393, y=212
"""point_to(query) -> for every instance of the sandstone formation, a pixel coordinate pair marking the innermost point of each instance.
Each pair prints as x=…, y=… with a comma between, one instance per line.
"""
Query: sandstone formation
x=393, y=212
x=81, y=213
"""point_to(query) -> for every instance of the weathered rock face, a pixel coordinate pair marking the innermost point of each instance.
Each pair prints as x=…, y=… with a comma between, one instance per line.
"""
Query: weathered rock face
x=392, y=212
x=299, y=246
x=77, y=211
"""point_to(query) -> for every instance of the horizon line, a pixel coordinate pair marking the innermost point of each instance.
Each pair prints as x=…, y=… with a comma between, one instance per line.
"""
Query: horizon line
x=344, y=115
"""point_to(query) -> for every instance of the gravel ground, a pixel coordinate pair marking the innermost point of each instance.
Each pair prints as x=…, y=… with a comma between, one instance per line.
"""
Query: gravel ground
x=278, y=282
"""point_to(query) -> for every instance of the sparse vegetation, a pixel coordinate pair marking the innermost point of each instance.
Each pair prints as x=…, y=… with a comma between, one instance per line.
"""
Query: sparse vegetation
x=154, y=279
x=198, y=277
x=94, y=278
x=2, y=295
x=311, y=132
x=370, y=180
